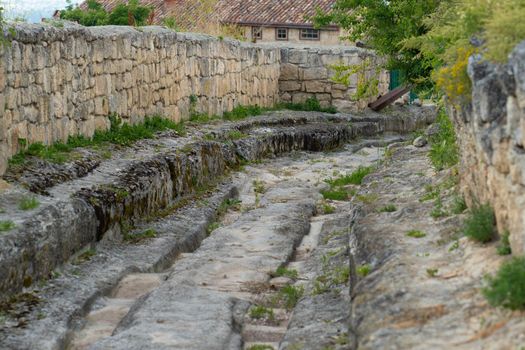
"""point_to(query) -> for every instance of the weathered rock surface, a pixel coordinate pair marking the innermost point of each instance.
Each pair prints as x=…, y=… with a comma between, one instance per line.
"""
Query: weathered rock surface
x=491, y=136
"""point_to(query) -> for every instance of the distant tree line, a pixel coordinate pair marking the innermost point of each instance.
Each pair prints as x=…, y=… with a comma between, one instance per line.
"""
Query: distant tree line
x=130, y=14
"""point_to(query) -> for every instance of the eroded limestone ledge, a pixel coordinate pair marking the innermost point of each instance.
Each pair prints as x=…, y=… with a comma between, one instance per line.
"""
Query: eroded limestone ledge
x=491, y=135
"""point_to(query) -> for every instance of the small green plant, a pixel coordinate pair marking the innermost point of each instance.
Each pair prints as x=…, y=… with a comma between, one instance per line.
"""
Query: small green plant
x=171, y=23
x=137, y=237
x=432, y=272
x=507, y=287
x=454, y=246
x=458, y=205
x=504, y=244
x=431, y=192
x=6, y=225
x=261, y=347
x=443, y=148
x=258, y=186
x=355, y=178
x=327, y=208
x=479, y=225
x=85, y=256
x=230, y=203
x=367, y=198
x=259, y=311
x=364, y=270
x=289, y=295
x=212, y=227
x=321, y=285
x=284, y=272
x=336, y=194
x=416, y=234
x=341, y=275
x=235, y=135
x=438, y=211
x=389, y=208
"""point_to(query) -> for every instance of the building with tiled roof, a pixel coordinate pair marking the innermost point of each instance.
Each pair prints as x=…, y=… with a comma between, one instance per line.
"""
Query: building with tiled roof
x=255, y=20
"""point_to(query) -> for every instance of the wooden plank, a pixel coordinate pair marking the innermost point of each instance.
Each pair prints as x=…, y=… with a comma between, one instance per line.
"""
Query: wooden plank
x=388, y=98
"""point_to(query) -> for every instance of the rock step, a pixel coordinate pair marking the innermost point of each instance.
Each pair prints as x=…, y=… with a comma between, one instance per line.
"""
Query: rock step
x=262, y=333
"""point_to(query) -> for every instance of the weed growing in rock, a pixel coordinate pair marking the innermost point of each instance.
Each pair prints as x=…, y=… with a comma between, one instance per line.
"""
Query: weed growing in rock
x=327, y=208
x=258, y=187
x=321, y=285
x=119, y=133
x=6, y=225
x=242, y=112
x=454, y=246
x=355, y=178
x=367, y=198
x=416, y=234
x=85, y=256
x=341, y=275
x=443, y=148
x=507, y=287
x=284, y=272
x=212, y=227
x=431, y=193
x=261, y=347
x=364, y=270
x=438, y=211
x=336, y=194
x=289, y=295
x=504, y=244
x=432, y=272
x=230, y=203
x=235, y=135
x=259, y=311
x=28, y=203
x=137, y=237
x=479, y=225
x=458, y=205
x=389, y=208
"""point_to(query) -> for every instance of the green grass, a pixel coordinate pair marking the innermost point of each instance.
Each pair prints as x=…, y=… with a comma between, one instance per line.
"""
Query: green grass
x=438, y=211
x=6, y=225
x=137, y=237
x=258, y=186
x=443, y=148
x=336, y=194
x=416, y=234
x=212, y=227
x=431, y=192
x=28, y=203
x=367, y=198
x=507, y=287
x=364, y=270
x=235, y=135
x=327, y=208
x=355, y=178
x=261, y=347
x=504, y=244
x=227, y=204
x=458, y=205
x=389, y=208
x=479, y=225
x=289, y=295
x=119, y=133
x=284, y=272
x=242, y=112
x=85, y=256
x=259, y=311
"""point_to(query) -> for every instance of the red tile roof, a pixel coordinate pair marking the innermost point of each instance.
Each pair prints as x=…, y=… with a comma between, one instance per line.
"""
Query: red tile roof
x=250, y=12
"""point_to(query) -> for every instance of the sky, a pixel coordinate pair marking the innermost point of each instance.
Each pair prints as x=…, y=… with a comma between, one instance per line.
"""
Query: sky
x=32, y=10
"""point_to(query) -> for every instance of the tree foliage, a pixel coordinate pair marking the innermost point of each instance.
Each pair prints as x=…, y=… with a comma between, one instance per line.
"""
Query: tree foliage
x=95, y=14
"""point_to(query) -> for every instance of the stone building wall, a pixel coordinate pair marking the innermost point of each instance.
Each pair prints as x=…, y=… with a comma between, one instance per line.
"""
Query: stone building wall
x=491, y=136
x=306, y=72
x=56, y=82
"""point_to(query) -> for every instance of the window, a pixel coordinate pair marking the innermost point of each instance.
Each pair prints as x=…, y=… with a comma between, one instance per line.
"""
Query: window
x=256, y=33
x=281, y=33
x=310, y=34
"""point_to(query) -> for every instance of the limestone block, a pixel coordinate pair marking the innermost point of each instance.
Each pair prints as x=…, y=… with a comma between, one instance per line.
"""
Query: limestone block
x=316, y=86
x=298, y=56
x=289, y=72
x=314, y=73
x=289, y=86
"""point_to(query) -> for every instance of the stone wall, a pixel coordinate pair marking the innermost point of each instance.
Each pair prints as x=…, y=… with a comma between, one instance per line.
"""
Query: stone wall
x=305, y=73
x=491, y=136
x=56, y=82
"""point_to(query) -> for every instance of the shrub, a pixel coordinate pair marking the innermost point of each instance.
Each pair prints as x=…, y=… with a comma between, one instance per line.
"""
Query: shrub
x=504, y=244
x=355, y=178
x=443, y=148
x=507, y=287
x=132, y=14
x=479, y=225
